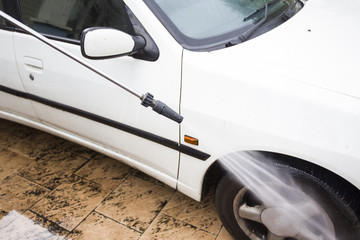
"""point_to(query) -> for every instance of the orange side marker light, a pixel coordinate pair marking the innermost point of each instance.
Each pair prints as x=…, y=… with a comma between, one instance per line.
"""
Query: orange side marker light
x=191, y=140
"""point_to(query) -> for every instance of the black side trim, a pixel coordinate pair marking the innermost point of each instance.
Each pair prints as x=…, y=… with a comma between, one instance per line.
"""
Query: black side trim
x=193, y=152
x=13, y=92
x=120, y=126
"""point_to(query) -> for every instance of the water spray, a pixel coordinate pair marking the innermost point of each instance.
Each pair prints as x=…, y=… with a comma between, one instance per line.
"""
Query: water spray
x=285, y=210
x=147, y=99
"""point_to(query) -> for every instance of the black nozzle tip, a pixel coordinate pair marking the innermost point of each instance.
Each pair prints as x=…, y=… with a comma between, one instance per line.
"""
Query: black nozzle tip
x=166, y=111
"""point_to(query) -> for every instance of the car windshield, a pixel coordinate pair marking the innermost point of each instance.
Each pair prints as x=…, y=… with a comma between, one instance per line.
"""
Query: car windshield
x=199, y=22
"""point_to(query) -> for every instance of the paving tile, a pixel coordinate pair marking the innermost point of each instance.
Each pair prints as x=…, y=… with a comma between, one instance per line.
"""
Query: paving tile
x=57, y=231
x=7, y=219
x=11, y=164
x=12, y=133
x=19, y=194
x=52, y=169
x=147, y=178
x=135, y=202
x=167, y=227
x=31, y=226
x=71, y=202
x=38, y=145
x=200, y=214
x=78, y=149
x=106, y=171
x=97, y=226
x=224, y=235
x=5, y=124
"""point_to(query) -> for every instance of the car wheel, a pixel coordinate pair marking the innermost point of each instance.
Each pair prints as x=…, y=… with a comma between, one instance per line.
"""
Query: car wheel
x=314, y=210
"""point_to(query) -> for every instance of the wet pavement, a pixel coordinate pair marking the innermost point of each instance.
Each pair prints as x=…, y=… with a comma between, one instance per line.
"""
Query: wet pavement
x=54, y=189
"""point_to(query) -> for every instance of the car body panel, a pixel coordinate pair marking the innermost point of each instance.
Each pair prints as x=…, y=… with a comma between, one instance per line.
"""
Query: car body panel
x=317, y=46
x=10, y=77
x=81, y=90
x=275, y=94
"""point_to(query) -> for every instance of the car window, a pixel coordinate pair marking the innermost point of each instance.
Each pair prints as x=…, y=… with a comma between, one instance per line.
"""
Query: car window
x=207, y=23
x=2, y=21
x=68, y=18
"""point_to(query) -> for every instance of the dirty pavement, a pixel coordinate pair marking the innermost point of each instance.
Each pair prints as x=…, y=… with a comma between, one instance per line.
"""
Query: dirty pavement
x=54, y=189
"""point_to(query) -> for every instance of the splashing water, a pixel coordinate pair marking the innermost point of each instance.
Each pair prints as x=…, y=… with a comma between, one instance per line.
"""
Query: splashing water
x=285, y=210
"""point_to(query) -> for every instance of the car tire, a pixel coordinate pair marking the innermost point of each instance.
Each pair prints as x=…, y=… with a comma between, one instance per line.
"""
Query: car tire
x=232, y=196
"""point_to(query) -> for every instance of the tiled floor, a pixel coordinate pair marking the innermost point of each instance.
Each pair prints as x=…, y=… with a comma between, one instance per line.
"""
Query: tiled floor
x=53, y=189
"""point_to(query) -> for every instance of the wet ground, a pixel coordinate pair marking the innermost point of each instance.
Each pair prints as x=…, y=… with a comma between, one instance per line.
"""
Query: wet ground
x=53, y=189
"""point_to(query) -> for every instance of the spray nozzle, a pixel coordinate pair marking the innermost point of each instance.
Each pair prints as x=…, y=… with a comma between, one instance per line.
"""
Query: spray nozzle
x=160, y=107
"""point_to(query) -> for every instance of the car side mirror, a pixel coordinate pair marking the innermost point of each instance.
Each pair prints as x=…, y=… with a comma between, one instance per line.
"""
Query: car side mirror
x=101, y=43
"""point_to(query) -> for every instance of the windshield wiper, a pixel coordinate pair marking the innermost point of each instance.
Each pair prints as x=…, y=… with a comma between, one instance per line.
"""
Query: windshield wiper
x=244, y=36
x=268, y=4
x=251, y=30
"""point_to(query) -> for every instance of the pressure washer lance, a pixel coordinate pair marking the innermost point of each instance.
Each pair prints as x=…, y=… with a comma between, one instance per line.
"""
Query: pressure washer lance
x=146, y=99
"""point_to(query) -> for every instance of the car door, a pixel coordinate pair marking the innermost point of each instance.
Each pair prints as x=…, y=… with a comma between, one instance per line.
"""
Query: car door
x=10, y=84
x=71, y=98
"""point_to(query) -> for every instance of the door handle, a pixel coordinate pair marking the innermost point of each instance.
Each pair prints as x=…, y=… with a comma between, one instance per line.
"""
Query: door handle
x=33, y=62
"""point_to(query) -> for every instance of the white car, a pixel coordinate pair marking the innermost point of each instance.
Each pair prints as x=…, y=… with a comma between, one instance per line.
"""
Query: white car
x=262, y=98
